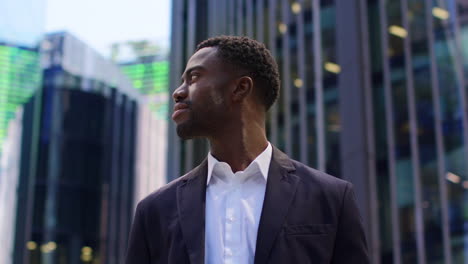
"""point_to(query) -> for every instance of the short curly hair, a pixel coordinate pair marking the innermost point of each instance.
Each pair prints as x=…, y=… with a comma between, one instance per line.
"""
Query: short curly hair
x=250, y=55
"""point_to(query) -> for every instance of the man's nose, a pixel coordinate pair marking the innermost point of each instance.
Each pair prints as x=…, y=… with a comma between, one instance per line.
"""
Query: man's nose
x=180, y=93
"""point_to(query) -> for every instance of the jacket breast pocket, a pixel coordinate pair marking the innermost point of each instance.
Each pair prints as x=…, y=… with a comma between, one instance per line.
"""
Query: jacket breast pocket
x=315, y=229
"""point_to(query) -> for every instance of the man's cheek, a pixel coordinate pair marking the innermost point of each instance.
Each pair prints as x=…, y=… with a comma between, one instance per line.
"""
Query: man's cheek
x=216, y=98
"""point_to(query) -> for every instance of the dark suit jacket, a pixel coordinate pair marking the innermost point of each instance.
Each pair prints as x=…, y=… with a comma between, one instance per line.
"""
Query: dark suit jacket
x=307, y=217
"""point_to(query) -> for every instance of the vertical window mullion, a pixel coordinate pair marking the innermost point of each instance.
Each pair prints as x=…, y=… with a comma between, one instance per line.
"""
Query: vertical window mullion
x=460, y=73
x=303, y=156
x=418, y=209
x=272, y=45
x=250, y=25
x=441, y=166
x=318, y=72
x=286, y=77
x=389, y=118
x=239, y=17
x=231, y=17
x=371, y=163
x=176, y=60
x=188, y=164
x=259, y=21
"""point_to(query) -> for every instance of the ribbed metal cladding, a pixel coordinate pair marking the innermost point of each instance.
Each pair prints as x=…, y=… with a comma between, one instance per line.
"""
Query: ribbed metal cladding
x=259, y=21
x=389, y=119
x=223, y=17
x=231, y=17
x=114, y=176
x=301, y=63
x=126, y=181
x=318, y=86
x=53, y=174
x=223, y=28
x=413, y=122
x=459, y=70
x=354, y=99
x=272, y=5
x=440, y=145
x=286, y=78
x=462, y=83
x=239, y=16
x=373, y=237
x=249, y=18
x=460, y=73
x=176, y=60
x=213, y=17
x=190, y=47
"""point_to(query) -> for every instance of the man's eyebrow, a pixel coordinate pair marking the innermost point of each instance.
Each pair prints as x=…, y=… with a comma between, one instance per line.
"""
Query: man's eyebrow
x=188, y=71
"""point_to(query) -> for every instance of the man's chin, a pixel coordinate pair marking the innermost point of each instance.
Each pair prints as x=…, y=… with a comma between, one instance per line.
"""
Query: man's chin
x=185, y=137
x=185, y=132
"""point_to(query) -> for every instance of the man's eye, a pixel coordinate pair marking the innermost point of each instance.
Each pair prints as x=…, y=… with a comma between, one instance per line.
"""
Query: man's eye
x=193, y=77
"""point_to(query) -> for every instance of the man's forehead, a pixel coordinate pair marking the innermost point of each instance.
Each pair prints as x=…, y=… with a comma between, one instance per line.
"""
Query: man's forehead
x=203, y=57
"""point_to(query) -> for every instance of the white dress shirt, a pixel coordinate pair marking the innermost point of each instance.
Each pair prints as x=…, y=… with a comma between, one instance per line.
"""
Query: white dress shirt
x=233, y=206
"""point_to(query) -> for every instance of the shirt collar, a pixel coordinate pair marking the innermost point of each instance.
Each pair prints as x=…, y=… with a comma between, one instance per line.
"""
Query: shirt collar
x=263, y=160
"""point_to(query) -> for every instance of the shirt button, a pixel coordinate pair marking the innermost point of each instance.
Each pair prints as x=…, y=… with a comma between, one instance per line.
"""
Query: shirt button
x=231, y=219
x=228, y=252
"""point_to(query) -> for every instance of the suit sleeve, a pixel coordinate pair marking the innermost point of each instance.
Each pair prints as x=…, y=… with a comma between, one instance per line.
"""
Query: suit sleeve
x=138, y=248
x=350, y=243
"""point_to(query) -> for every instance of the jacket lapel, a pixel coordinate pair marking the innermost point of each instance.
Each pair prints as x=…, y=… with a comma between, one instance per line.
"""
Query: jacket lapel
x=191, y=209
x=280, y=190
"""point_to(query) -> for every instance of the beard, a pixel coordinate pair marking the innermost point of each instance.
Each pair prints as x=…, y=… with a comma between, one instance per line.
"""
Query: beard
x=191, y=128
x=201, y=124
x=203, y=119
x=185, y=130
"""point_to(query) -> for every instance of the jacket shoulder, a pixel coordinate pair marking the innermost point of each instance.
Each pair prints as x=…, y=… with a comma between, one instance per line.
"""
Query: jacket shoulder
x=318, y=186
x=326, y=181
x=165, y=194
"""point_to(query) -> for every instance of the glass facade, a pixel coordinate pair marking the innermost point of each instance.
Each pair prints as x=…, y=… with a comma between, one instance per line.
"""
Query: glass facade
x=9, y=168
x=21, y=27
x=20, y=76
x=151, y=79
x=82, y=190
x=148, y=71
x=76, y=185
x=373, y=92
x=429, y=127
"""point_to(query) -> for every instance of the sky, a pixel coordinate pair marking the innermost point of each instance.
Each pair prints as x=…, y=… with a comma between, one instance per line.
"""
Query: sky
x=99, y=23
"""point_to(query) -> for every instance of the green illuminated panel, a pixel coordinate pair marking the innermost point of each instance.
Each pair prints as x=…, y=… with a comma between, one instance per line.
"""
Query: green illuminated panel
x=20, y=76
x=149, y=79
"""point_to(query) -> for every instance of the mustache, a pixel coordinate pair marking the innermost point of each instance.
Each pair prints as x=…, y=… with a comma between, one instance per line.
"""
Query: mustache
x=188, y=103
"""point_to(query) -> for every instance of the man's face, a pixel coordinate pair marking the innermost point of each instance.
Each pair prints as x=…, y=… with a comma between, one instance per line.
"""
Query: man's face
x=202, y=100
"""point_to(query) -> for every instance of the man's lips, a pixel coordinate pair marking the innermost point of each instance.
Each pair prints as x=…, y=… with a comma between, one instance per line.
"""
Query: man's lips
x=179, y=108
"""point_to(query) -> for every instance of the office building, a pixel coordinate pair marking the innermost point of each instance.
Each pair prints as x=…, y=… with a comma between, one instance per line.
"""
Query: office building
x=373, y=92
x=146, y=65
x=9, y=171
x=20, y=78
x=21, y=27
x=78, y=165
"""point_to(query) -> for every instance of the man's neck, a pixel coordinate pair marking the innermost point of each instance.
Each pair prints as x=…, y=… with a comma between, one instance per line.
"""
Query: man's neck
x=240, y=148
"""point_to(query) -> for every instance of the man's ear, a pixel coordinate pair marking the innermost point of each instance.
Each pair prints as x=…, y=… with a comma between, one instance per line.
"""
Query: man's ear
x=243, y=88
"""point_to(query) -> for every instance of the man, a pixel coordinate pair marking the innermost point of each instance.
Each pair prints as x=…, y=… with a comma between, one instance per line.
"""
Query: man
x=247, y=202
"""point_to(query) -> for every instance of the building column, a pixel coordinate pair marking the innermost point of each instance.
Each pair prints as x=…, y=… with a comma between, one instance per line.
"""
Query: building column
x=355, y=103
